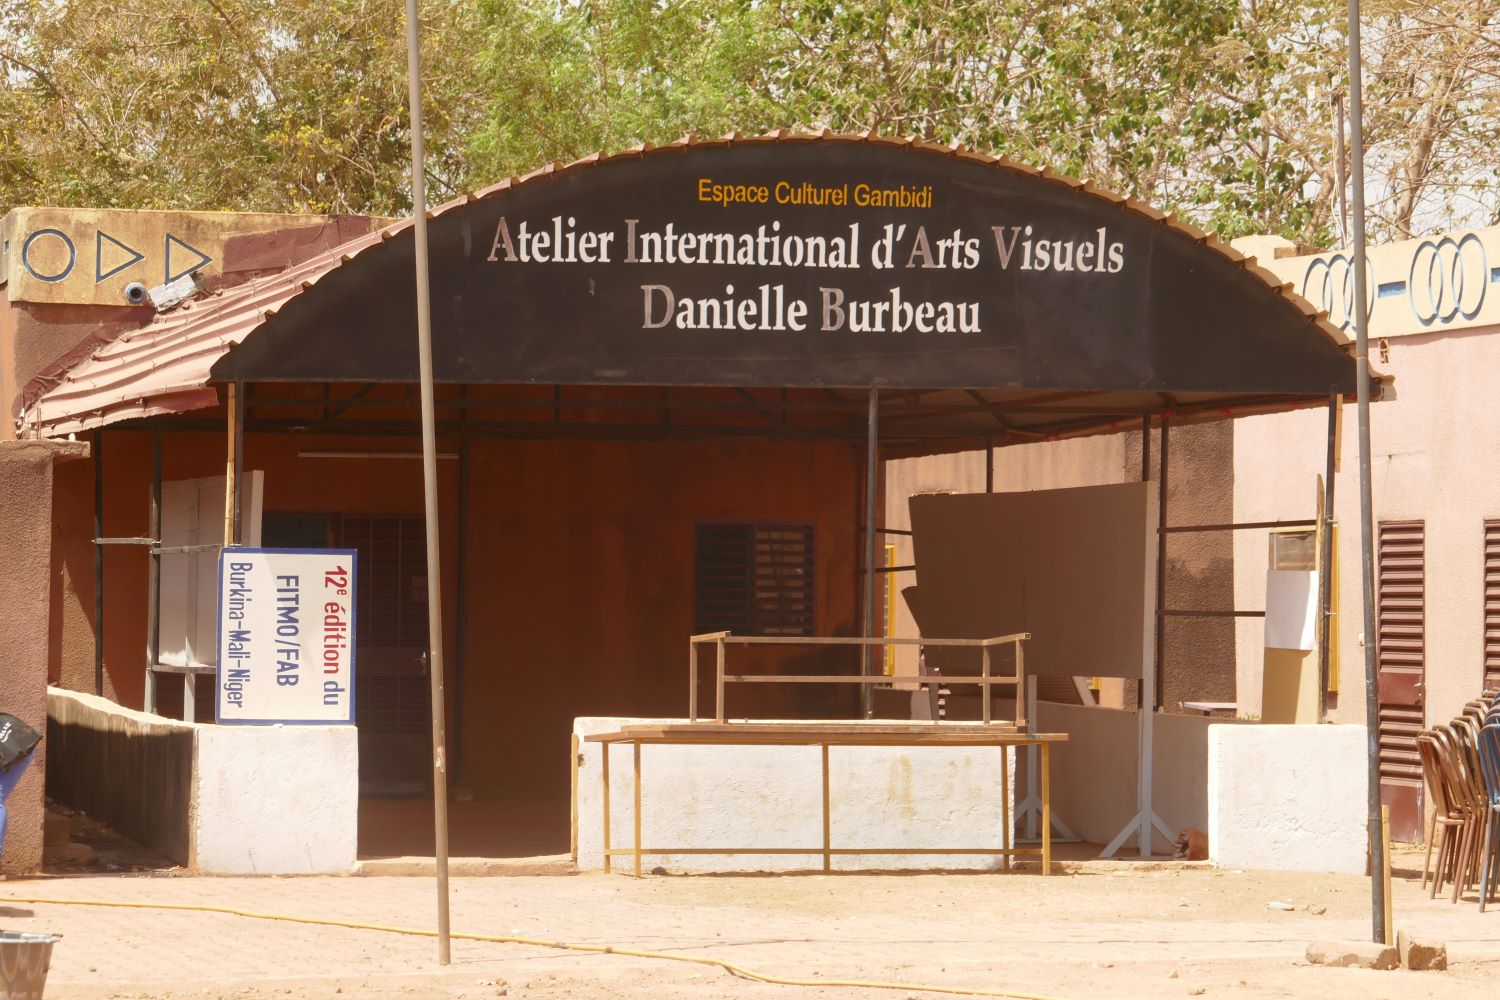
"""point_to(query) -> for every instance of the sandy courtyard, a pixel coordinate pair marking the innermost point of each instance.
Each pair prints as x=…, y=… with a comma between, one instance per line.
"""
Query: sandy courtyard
x=1094, y=931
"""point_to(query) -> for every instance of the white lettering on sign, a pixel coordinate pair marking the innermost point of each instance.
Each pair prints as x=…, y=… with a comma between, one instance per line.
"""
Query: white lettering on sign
x=286, y=626
x=1097, y=255
x=771, y=307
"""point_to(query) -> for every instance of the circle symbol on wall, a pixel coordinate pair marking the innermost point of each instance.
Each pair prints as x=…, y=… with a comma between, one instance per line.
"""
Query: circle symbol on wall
x=1329, y=284
x=1448, y=278
x=26, y=248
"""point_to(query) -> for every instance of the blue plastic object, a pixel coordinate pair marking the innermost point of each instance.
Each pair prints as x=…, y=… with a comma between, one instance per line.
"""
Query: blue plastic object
x=1489, y=763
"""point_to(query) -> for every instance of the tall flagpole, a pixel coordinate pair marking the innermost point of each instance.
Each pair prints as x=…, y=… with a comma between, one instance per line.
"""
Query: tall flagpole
x=429, y=478
x=1366, y=523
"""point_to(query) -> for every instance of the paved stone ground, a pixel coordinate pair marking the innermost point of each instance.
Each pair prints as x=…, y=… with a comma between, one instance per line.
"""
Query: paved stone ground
x=1105, y=931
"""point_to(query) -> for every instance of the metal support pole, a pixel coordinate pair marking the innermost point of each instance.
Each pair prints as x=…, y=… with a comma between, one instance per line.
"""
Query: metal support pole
x=1033, y=800
x=153, y=575
x=636, y=842
x=984, y=673
x=463, y=601
x=1325, y=561
x=1030, y=808
x=1146, y=820
x=719, y=680
x=1140, y=686
x=1007, y=828
x=989, y=465
x=429, y=476
x=1158, y=694
x=1366, y=503
x=99, y=563
x=608, y=858
x=234, y=478
x=231, y=482
x=692, y=681
x=827, y=817
x=237, y=522
x=232, y=463
x=872, y=485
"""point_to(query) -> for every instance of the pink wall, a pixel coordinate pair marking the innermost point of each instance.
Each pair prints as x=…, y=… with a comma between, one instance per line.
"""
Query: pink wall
x=1433, y=451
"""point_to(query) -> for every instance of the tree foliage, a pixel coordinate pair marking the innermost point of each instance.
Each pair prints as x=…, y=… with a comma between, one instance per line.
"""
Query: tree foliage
x=223, y=104
x=1220, y=109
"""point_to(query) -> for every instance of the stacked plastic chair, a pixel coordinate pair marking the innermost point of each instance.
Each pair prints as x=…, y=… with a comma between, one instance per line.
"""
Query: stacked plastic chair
x=1461, y=769
x=1446, y=827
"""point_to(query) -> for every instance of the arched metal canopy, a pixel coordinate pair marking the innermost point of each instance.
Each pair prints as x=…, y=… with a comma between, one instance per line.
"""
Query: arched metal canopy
x=931, y=268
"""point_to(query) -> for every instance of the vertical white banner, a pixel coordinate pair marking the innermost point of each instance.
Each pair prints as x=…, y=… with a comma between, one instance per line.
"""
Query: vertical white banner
x=286, y=636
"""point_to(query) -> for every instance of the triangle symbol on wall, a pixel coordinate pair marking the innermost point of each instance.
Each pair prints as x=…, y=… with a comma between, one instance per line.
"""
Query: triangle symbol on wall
x=107, y=245
x=173, y=272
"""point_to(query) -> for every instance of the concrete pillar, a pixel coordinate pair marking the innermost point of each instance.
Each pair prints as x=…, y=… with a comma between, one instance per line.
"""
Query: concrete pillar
x=28, y=591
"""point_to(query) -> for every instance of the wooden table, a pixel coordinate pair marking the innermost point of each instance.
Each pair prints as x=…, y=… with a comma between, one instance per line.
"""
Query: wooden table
x=825, y=735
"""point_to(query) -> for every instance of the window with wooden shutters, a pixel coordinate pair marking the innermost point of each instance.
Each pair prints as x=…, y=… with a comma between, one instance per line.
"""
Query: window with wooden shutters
x=390, y=621
x=392, y=579
x=753, y=579
x=1401, y=651
x=1492, y=604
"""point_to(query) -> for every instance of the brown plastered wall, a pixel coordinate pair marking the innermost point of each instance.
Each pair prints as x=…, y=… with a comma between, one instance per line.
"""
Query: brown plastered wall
x=580, y=586
x=579, y=596
x=294, y=484
x=26, y=595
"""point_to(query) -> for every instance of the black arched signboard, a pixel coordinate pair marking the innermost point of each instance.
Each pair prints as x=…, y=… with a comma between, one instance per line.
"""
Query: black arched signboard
x=804, y=263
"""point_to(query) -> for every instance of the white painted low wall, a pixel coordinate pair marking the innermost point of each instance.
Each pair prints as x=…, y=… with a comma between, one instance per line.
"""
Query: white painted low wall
x=275, y=800
x=758, y=796
x=1288, y=798
x=266, y=800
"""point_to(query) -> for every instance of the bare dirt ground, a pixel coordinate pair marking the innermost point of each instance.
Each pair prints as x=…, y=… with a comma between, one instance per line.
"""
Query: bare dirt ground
x=1098, y=930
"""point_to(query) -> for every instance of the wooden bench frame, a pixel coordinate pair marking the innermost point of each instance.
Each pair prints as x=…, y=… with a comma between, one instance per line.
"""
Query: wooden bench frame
x=985, y=680
x=826, y=735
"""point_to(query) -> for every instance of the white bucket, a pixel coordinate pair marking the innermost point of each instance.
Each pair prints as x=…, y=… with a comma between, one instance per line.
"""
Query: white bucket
x=24, y=959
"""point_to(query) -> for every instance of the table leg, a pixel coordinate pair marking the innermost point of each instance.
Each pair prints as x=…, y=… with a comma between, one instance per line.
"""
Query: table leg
x=1046, y=809
x=827, y=834
x=1005, y=824
x=637, y=810
x=607, y=865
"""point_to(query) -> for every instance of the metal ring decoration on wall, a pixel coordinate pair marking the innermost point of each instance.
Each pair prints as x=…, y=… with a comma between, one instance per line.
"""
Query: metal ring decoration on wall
x=1439, y=285
x=1329, y=284
x=26, y=255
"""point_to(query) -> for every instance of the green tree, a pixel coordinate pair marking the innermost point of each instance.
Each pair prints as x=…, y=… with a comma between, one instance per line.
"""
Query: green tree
x=567, y=79
x=225, y=104
x=1221, y=110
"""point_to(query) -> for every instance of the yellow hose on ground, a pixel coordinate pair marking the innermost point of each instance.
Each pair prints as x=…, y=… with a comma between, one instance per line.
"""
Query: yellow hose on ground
x=601, y=949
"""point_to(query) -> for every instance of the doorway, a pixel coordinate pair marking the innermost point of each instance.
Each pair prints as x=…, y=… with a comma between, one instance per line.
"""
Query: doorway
x=392, y=702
